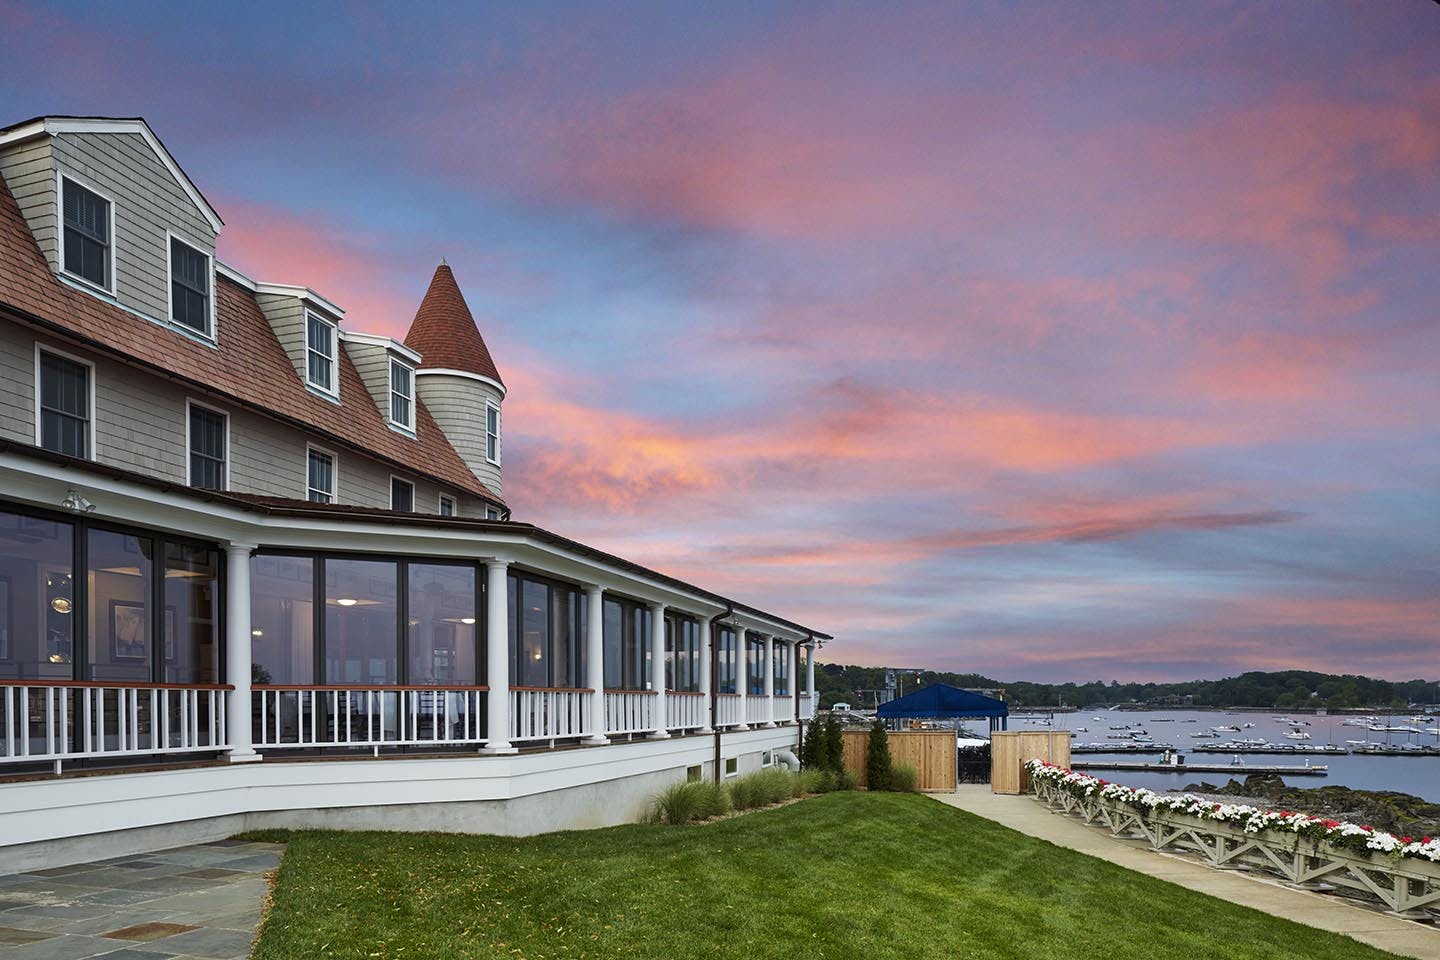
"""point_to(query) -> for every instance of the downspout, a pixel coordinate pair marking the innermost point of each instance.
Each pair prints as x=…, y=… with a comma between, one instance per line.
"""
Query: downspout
x=715, y=683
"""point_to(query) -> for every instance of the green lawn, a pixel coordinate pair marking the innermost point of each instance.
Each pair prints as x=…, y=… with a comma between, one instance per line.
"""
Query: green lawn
x=842, y=875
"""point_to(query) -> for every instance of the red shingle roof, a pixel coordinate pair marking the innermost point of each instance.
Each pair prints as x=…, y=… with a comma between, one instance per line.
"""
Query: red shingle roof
x=444, y=331
x=251, y=367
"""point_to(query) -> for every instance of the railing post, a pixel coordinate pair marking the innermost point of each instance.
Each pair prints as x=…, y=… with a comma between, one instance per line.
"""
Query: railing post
x=769, y=675
x=705, y=641
x=497, y=660
x=595, y=662
x=657, y=668
x=742, y=677
x=237, y=653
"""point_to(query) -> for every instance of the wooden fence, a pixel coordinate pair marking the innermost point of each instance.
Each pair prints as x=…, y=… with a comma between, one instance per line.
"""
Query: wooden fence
x=1009, y=749
x=930, y=752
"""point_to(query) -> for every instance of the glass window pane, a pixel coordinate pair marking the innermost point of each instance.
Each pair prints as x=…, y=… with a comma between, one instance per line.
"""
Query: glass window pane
x=613, y=631
x=564, y=636
x=191, y=621
x=533, y=640
x=121, y=568
x=402, y=495
x=282, y=619
x=64, y=406
x=322, y=477
x=442, y=629
x=361, y=622
x=37, y=598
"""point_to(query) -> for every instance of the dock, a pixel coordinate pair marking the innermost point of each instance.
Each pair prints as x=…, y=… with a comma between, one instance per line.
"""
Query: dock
x=1276, y=748
x=1313, y=770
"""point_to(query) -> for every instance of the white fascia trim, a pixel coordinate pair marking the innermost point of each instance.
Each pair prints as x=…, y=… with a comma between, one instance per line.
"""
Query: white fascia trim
x=466, y=374
x=233, y=275
x=54, y=125
x=301, y=293
x=379, y=340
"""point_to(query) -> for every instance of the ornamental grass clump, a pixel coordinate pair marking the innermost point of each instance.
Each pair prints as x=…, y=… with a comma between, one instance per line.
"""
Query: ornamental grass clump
x=905, y=778
x=689, y=802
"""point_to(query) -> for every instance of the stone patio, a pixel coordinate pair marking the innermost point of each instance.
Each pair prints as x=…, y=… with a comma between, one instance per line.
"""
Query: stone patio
x=200, y=902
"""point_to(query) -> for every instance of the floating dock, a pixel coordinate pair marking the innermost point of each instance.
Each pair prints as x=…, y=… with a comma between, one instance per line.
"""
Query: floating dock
x=1315, y=770
x=1318, y=748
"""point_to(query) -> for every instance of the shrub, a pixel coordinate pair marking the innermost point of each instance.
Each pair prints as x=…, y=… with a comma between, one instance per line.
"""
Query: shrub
x=845, y=780
x=688, y=802
x=812, y=748
x=773, y=786
x=878, y=772
x=904, y=778
x=816, y=781
x=834, y=758
x=742, y=793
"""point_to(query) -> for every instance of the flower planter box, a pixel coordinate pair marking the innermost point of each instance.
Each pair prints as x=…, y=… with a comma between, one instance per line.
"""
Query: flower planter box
x=1406, y=885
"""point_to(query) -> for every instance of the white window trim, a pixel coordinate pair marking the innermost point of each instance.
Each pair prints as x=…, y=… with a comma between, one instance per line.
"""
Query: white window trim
x=454, y=505
x=390, y=361
x=333, y=391
x=225, y=480
x=498, y=514
x=40, y=348
x=211, y=333
x=334, y=471
x=499, y=434
x=60, y=177
x=393, y=478
x=726, y=764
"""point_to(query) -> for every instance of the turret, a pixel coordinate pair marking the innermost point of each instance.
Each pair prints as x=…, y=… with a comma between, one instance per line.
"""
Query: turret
x=456, y=379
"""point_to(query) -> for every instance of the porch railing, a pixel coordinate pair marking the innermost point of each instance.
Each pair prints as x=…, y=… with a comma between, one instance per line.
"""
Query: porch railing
x=300, y=716
x=727, y=710
x=757, y=709
x=686, y=710
x=784, y=709
x=58, y=720
x=807, y=706
x=629, y=711
x=548, y=713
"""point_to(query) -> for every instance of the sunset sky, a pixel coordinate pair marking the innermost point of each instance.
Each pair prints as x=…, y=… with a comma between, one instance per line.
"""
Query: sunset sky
x=1072, y=341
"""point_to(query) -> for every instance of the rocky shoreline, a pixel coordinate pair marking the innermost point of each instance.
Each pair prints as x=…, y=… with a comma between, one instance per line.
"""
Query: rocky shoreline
x=1397, y=813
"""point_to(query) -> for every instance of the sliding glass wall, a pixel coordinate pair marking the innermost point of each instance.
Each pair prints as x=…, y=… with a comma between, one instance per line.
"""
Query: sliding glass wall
x=547, y=630
x=682, y=652
x=627, y=644
x=726, y=660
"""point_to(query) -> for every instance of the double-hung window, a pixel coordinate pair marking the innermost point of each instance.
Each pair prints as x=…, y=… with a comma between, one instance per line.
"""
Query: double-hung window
x=64, y=405
x=86, y=235
x=492, y=433
x=447, y=506
x=402, y=495
x=208, y=444
x=189, y=287
x=320, y=353
x=402, y=395
x=320, y=473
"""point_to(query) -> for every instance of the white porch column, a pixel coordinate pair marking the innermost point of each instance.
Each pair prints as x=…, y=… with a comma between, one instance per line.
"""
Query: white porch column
x=769, y=682
x=794, y=679
x=657, y=668
x=595, y=662
x=497, y=657
x=742, y=676
x=237, y=653
x=705, y=641
x=810, y=671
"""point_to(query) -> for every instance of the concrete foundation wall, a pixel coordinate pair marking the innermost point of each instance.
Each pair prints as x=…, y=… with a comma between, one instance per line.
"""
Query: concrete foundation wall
x=50, y=823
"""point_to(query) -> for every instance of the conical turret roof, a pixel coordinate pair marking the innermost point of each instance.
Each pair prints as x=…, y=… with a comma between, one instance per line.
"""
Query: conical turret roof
x=444, y=330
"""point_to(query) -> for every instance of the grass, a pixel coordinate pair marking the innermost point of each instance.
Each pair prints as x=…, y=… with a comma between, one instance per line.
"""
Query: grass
x=841, y=875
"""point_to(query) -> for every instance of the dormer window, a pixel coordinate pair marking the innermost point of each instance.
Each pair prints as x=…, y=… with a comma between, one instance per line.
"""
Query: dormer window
x=402, y=395
x=85, y=250
x=320, y=354
x=190, y=287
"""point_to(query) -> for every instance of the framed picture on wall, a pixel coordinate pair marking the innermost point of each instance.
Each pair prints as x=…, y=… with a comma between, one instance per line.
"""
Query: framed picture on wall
x=128, y=630
x=5, y=614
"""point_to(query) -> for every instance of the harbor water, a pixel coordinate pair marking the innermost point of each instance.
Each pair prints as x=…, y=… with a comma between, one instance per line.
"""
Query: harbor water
x=1415, y=775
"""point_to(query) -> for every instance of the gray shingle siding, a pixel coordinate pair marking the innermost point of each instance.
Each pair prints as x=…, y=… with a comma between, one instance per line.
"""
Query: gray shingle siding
x=458, y=406
x=373, y=364
x=29, y=171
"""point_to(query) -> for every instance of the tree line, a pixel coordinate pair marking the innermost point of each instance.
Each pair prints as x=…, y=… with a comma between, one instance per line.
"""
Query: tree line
x=1284, y=689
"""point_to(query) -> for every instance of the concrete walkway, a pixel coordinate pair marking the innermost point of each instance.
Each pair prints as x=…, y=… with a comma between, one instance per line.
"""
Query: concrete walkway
x=1028, y=816
x=201, y=901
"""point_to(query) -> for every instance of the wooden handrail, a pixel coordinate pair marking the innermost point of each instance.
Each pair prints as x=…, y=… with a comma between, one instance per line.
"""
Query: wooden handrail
x=648, y=693
x=359, y=687
x=551, y=690
x=683, y=693
x=114, y=684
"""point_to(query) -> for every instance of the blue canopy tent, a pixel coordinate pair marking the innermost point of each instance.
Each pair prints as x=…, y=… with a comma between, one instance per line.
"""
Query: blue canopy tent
x=940, y=701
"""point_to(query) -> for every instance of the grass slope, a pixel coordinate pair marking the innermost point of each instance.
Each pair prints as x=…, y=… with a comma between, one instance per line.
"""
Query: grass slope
x=842, y=875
